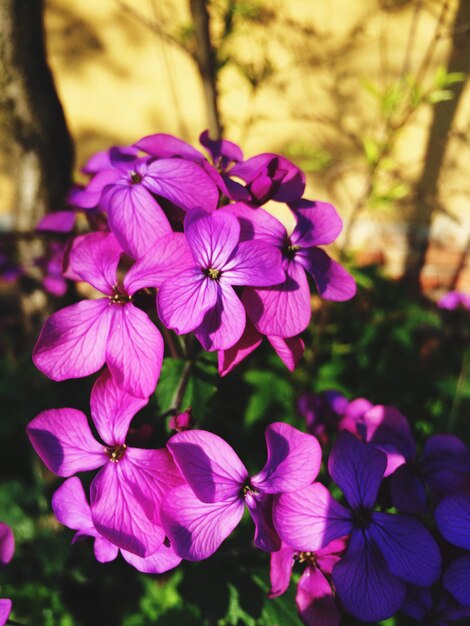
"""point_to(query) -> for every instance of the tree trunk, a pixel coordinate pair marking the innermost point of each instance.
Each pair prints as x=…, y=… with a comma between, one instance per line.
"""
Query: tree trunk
x=32, y=123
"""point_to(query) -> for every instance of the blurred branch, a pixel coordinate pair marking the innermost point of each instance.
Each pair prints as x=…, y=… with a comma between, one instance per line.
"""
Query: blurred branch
x=206, y=61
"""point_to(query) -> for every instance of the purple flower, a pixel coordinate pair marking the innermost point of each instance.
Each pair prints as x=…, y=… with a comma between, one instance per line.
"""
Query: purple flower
x=321, y=412
x=128, y=190
x=284, y=310
x=127, y=492
x=384, y=551
x=200, y=296
x=315, y=600
x=80, y=339
x=223, y=154
x=423, y=607
x=198, y=516
x=271, y=177
x=454, y=300
x=71, y=508
x=442, y=469
x=453, y=520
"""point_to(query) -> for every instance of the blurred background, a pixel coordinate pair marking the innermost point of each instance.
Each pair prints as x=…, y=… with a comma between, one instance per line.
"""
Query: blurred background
x=371, y=99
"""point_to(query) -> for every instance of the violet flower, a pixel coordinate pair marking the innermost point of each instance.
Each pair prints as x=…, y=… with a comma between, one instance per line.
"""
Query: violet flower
x=314, y=599
x=80, y=339
x=200, y=296
x=71, y=509
x=198, y=516
x=442, y=469
x=384, y=551
x=284, y=310
x=423, y=607
x=126, y=493
x=453, y=520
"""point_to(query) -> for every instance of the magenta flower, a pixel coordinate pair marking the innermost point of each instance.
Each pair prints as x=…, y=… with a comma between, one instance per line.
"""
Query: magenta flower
x=126, y=493
x=315, y=600
x=198, y=516
x=71, y=509
x=454, y=300
x=7, y=549
x=284, y=310
x=80, y=339
x=384, y=551
x=200, y=296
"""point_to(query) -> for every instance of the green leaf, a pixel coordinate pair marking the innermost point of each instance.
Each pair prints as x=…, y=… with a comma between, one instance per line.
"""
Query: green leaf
x=270, y=390
x=235, y=614
x=200, y=388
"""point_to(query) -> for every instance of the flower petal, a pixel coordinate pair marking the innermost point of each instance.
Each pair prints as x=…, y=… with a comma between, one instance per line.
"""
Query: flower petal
x=159, y=562
x=73, y=340
x=261, y=511
x=164, y=260
x=7, y=544
x=211, y=467
x=71, y=508
x=119, y=516
x=318, y=223
x=163, y=145
x=408, y=490
x=112, y=409
x=182, y=182
x=309, y=519
x=332, y=280
x=290, y=350
x=457, y=579
x=5, y=610
x=135, y=218
x=315, y=601
x=134, y=352
x=63, y=440
x=150, y=474
x=254, y=263
x=453, y=520
x=366, y=587
x=294, y=460
x=223, y=324
x=280, y=572
x=212, y=237
x=95, y=258
x=184, y=300
x=231, y=357
x=256, y=223
x=283, y=310
x=407, y=547
x=357, y=468
x=104, y=550
x=196, y=529
x=58, y=222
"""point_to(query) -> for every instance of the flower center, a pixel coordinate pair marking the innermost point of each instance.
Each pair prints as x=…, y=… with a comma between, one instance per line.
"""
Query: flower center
x=362, y=519
x=290, y=250
x=119, y=297
x=212, y=273
x=115, y=453
x=307, y=557
x=249, y=490
x=135, y=178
